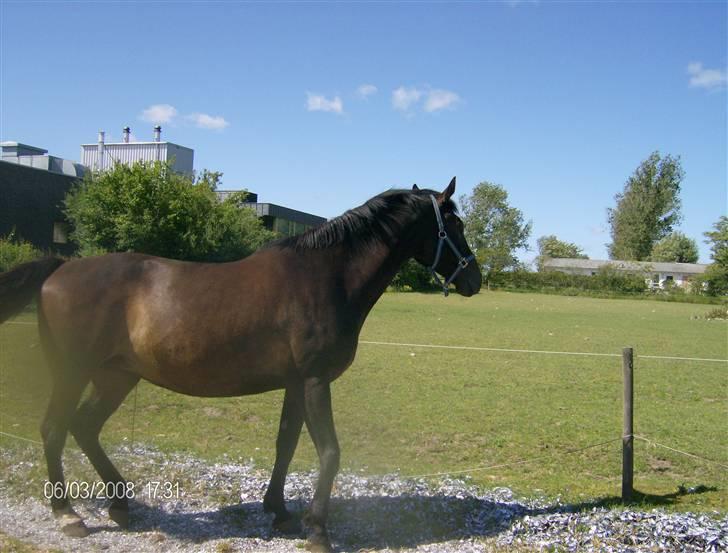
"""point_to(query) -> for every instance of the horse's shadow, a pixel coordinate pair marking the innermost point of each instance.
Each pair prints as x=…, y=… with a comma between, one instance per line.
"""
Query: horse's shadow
x=369, y=522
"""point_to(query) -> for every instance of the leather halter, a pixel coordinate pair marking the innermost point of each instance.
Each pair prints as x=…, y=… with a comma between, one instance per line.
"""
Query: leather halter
x=443, y=238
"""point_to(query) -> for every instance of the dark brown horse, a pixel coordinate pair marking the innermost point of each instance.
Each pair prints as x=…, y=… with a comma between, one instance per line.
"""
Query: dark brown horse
x=286, y=317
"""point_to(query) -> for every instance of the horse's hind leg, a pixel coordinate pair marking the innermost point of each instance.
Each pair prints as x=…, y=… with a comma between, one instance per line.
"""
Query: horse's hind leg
x=289, y=431
x=67, y=390
x=110, y=387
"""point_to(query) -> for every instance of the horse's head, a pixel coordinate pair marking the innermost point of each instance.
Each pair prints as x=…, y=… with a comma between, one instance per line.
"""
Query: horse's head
x=444, y=249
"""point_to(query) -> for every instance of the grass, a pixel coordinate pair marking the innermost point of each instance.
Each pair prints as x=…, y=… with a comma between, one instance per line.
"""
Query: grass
x=421, y=411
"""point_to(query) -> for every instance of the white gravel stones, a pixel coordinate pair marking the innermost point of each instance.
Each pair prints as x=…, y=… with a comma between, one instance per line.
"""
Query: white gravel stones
x=620, y=531
x=220, y=509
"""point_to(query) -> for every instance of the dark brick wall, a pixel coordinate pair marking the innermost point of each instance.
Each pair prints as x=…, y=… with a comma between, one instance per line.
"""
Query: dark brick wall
x=30, y=201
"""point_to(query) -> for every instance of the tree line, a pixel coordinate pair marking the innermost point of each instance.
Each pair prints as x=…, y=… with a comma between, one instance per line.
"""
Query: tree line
x=642, y=224
x=149, y=208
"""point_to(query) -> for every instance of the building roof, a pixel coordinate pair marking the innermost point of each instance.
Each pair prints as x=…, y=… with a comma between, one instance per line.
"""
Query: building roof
x=135, y=143
x=287, y=213
x=635, y=266
x=223, y=195
x=13, y=148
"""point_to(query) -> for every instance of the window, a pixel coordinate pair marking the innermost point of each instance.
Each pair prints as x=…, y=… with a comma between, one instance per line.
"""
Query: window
x=281, y=226
x=60, y=233
x=668, y=277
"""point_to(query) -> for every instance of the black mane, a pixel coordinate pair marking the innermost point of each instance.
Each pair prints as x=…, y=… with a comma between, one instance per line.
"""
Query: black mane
x=379, y=219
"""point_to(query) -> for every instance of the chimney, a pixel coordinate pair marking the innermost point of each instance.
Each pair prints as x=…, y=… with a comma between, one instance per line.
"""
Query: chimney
x=125, y=135
x=157, y=133
x=100, y=157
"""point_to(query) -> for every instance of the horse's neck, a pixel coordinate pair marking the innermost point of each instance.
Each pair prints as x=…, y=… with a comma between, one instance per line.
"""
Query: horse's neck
x=370, y=272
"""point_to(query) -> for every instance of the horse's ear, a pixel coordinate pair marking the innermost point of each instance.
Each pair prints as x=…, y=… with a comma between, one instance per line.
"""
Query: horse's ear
x=449, y=191
x=415, y=187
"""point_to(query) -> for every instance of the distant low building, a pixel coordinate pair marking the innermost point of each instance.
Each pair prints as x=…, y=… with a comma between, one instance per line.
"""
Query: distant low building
x=656, y=273
x=282, y=220
x=38, y=158
x=32, y=188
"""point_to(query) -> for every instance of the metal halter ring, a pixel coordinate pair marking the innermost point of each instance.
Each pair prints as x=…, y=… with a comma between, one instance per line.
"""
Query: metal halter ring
x=443, y=238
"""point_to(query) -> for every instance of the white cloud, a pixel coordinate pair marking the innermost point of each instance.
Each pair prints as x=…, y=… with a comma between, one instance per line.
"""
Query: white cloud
x=438, y=99
x=205, y=121
x=366, y=90
x=316, y=102
x=403, y=98
x=701, y=77
x=165, y=113
x=435, y=99
x=159, y=113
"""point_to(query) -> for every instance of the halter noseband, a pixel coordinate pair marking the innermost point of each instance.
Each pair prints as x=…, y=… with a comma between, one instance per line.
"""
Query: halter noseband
x=442, y=239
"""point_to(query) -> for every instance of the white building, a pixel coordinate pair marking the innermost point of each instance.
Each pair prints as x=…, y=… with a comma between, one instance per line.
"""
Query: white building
x=656, y=273
x=104, y=155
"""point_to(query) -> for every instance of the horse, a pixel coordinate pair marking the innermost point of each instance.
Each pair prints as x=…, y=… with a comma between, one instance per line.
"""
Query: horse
x=286, y=317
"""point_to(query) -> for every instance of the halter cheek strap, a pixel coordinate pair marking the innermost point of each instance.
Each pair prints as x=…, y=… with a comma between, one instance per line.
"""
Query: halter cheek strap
x=443, y=238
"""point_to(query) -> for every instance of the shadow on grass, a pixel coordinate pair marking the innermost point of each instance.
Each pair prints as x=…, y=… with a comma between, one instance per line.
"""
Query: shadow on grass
x=373, y=522
x=644, y=500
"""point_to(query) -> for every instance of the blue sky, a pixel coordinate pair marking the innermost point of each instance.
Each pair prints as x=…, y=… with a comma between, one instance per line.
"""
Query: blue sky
x=319, y=106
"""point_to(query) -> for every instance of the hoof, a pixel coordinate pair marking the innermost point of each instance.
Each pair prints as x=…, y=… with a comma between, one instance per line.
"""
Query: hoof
x=72, y=525
x=290, y=525
x=319, y=544
x=120, y=516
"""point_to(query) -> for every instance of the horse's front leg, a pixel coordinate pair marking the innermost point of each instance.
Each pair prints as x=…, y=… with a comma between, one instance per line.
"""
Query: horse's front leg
x=320, y=424
x=288, y=432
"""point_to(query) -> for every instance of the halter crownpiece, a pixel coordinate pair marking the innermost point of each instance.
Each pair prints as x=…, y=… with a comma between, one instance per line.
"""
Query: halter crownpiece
x=443, y=238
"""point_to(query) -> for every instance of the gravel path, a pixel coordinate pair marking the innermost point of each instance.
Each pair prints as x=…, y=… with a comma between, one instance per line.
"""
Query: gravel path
x=220, y=510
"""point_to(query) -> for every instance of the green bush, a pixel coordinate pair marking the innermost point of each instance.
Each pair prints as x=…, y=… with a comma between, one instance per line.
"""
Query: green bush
x=607, y=283
x=148, y=208
x=607, y=279
x=13, y=252
x=412, y=277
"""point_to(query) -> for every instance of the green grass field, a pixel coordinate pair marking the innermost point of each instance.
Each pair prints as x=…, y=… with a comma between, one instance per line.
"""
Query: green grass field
x=420, y=410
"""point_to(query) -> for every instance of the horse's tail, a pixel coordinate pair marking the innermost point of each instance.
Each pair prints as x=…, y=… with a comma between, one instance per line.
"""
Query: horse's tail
x=20, y=285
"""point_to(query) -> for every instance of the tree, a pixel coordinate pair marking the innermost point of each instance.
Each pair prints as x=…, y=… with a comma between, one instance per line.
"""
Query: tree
x=494, y=229
x=716, y=275
x=675, y=248
x=647, y=208
x=551, y=247
x=148, y=208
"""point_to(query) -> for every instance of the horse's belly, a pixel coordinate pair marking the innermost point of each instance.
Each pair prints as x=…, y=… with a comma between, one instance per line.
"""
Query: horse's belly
x=206, y=381
x=215, y=368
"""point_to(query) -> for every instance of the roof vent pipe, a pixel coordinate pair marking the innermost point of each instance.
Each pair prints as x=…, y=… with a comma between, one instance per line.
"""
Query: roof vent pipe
x=125, y=134
x=157, y=133
x=100, y=157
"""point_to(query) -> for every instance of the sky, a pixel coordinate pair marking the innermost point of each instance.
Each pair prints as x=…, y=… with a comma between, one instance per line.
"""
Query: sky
x=320, y=105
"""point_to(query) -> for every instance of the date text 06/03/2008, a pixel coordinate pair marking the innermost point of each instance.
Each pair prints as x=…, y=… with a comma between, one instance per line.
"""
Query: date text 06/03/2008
x=73, y=489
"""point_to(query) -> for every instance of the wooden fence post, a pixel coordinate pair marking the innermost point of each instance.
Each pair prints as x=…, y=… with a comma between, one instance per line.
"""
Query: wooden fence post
x=627, y=428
